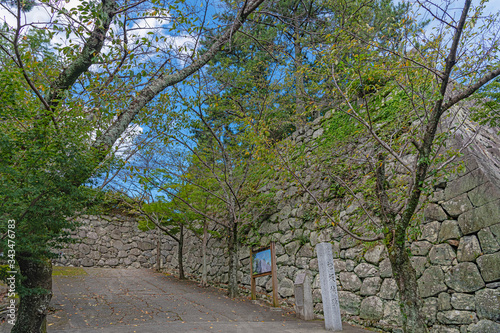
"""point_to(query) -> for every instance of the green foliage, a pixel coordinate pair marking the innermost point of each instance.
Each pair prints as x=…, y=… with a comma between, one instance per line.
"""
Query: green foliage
x=310, y=215
x=3, y=272
x=68, y=271
x=488, y=113
x=340, y=127
x=303, y=239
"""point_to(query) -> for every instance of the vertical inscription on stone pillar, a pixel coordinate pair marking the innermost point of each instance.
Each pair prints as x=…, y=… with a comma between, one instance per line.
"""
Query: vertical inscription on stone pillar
x=331, y=308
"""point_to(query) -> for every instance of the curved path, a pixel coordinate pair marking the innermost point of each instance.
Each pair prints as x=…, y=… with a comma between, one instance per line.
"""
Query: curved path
x=110, y=300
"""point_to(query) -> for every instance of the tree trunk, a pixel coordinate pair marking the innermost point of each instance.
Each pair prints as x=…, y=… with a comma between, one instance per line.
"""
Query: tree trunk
x=179, y=253
x=158, y=250
x=409, y=299
x=204, y=281
x=299, y=76
x=233, y=261
x=34, y=302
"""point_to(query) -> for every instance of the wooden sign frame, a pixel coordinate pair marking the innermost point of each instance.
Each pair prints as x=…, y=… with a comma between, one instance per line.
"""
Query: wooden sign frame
x=273, y=272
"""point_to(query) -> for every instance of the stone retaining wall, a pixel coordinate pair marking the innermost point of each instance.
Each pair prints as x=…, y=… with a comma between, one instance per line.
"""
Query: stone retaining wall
x=456, y=256
x=112, y=241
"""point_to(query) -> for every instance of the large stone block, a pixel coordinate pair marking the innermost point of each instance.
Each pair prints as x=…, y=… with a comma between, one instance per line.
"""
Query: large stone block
x=430, y=231
x=442, y=254
x=370, y=286
x=349, y=281
x=443, y=329
x=354, y=252
x=306, y=251
x=340, y=265
x=431, y=282
x=87, y=262
x=464, y=184
x=444, y=301
x=456, y=317
x=487, y=303
x=116, y=234
x=488, y=242
x=364, y=270
x=347, y=242
x=268, y=228
x=286, y=237
x=349, y=303
x=464, y=278
x=479, y=218
x=449, y=230
x=429, y=310
x=495, y=230
x=135, y=252
x=385, y=268
x=468, y=249
x=84, y=249
x=389, y=289
x=292, y=248
x=484, y=326
x=117, y=244
x=437, y=196
x=392, y=314
x=484, y=194
x=285, y=288
x=419, y=264
x=374, y=255
x=92, y=235
x=372, y=308
x=112, y=262
x=461, y=301
x=420, y=248
x=434, y=212
x=457, y=205
x=145, y=246
x=489, y=264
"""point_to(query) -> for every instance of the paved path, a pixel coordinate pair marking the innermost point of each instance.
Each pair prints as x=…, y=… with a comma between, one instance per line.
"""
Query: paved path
x=139, y=300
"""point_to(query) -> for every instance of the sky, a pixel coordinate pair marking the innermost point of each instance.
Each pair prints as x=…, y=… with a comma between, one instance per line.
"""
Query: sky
x=42, y=15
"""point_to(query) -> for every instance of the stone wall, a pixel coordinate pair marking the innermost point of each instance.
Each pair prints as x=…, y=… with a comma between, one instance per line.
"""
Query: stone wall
x=456, y=255
x=112, y=241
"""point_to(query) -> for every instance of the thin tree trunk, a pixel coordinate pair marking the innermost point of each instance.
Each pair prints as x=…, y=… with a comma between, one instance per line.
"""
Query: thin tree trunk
x=299, y=76
x=204, y=281
x=180, y=256
x=158, y=250
x=32, y=315
x=409, y=299
x=403, y=271
x=233, y=260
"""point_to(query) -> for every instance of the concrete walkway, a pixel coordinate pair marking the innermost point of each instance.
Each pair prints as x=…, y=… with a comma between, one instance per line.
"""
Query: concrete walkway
x=138, y=300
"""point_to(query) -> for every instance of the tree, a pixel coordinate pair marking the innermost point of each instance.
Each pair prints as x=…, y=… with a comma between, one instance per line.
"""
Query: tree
x=70, y=121
x=389, y=104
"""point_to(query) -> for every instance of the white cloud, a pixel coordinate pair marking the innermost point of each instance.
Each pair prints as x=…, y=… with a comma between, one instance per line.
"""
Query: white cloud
x=127, y=141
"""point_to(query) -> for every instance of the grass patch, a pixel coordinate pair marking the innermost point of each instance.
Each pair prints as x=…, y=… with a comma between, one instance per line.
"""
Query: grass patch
x=67, y=271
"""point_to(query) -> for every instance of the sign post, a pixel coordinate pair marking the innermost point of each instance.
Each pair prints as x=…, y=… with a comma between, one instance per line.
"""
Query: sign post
x=262, y=263
x=331, y=308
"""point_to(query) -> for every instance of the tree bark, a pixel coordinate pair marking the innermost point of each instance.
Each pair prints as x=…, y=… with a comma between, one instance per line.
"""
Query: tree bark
x=158, y=250
x=204, y=281
x=36, y=296
x=33, y=308
x=179, y=252
x=299, y=76
x=233, y=261
x=409, y=298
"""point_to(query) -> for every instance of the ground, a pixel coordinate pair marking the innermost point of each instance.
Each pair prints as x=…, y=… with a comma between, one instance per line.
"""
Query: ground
x=139, y=300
